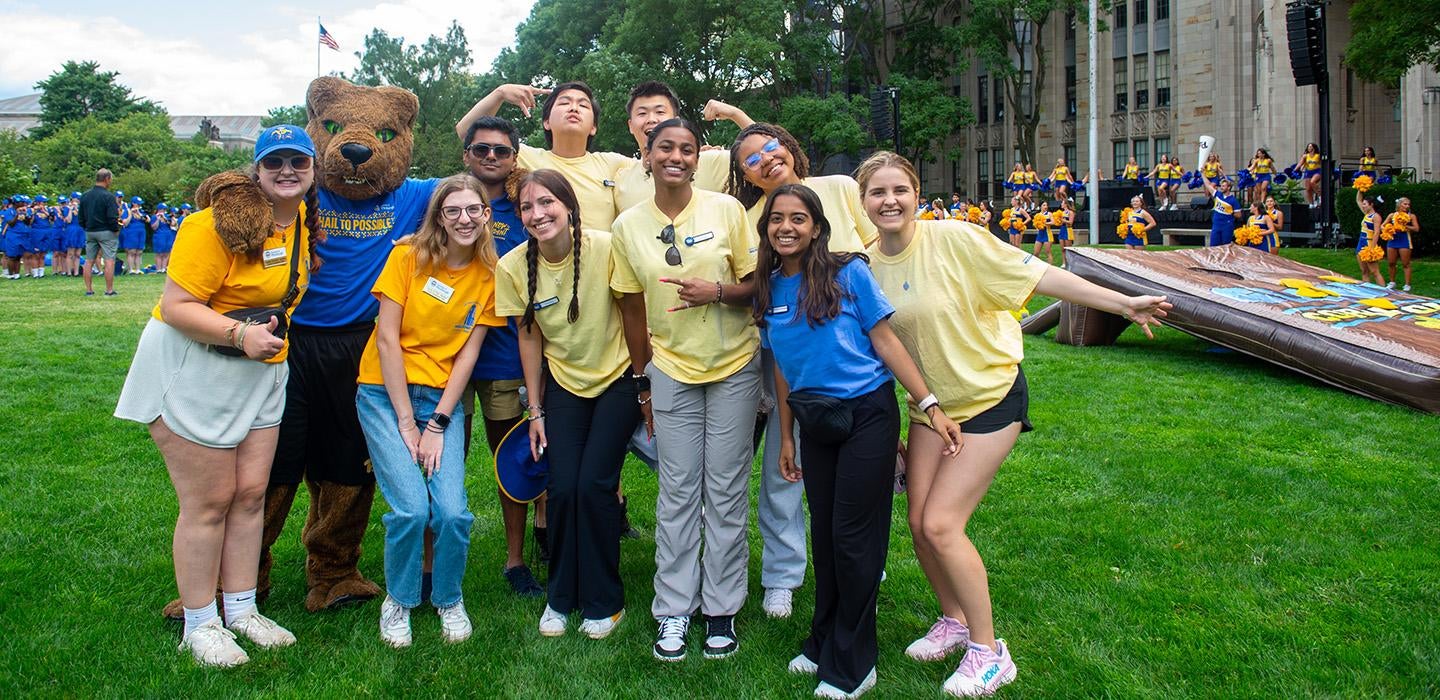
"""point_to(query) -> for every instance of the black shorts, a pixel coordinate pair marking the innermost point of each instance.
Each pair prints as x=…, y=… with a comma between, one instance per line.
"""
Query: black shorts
x=320, y=436
x=1014, y=407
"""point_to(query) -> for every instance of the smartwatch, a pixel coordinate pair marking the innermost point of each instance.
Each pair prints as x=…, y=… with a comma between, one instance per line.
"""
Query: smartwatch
x=440, y=420
x=642, y=382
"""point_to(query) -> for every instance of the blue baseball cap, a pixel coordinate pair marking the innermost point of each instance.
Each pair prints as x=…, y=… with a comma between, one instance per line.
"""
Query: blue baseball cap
x=74, y=195
x=41, y=198
x=186, y=206
x=62, y=199
x=283, y=137
x=120, y=193
x=136, y=200
x=162, y=207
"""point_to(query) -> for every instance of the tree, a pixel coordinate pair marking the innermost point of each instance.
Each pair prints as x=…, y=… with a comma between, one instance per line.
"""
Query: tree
x=13, y=180
x=70, y=157
x=1389, y=38
x=929, y=115
x=80, y=90
x=293, y=114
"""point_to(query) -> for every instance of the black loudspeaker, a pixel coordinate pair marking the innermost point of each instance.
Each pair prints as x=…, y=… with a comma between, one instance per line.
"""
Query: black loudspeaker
x=1304, y=25
x=1114, y=195
x=882, y=122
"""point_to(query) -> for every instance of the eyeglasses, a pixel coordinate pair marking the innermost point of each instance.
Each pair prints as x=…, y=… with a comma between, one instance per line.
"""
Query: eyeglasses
x=474, y=211
x=667, y=236
x=483, y=150
x=299, y=163
x=753, y=161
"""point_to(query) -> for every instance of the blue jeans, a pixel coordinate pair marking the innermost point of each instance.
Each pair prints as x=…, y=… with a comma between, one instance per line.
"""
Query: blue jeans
x=415, y=502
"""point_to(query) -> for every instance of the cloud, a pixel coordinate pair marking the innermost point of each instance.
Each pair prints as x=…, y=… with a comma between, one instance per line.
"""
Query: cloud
x=252, y=69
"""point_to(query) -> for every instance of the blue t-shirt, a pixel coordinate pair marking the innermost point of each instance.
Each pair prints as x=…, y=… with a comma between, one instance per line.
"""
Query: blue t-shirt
x=358, y=236
x=835, y=358
x=500, y=353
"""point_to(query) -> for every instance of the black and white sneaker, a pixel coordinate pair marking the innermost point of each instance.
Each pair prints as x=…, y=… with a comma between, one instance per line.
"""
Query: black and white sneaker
x=670, y=642
x=720, y=640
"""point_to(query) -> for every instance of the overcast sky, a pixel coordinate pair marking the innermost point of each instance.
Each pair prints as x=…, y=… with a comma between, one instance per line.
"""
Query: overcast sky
x=225, y=58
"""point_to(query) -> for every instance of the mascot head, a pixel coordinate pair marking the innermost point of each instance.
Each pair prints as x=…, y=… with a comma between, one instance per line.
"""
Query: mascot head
x=363, y=136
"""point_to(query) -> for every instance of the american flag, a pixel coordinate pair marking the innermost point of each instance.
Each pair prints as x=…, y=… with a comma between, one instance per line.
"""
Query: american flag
x=328, y=40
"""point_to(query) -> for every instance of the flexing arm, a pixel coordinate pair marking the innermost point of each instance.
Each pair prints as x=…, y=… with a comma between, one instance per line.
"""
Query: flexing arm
x=715, y=110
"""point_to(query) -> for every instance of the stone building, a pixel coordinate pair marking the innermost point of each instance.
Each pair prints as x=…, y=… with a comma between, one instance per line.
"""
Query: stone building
x=1170, y=71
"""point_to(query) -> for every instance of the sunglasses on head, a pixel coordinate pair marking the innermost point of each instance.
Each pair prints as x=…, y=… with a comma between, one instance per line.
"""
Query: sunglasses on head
x=483, y=150
x=753, y=161
x=667, y=236
x=298, y=163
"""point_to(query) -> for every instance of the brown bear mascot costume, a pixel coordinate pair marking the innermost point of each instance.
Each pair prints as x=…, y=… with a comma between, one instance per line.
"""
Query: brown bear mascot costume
x=363, y=146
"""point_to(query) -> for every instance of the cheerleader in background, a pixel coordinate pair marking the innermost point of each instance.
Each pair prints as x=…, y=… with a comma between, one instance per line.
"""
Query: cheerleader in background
x=1160, y=176
x=1262, y=169
x=1132, y=170
x=1032, y=185
x=1403, y=223
x=1369, y=165
x=1261, y=220
x=164, y=227
x=1014, y=221
x=1310, y=169
x=42, y=234
x=1062, y=179
x=1211, y=171
x=986, y=214
x=1369, y=238
x=1045, y=230
x=1066, y=215
x=74, y=236
x=934, y=212
x=1015, y=182
x=1177, y=173
x=1137, y=240
x=132, y=236
x=1277, y=217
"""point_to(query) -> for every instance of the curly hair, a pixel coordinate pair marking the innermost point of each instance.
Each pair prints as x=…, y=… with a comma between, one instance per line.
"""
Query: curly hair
x=742, y=189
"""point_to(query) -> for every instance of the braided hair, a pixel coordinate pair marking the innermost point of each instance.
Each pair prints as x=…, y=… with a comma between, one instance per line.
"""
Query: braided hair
x=742, y=189
x=558, y=186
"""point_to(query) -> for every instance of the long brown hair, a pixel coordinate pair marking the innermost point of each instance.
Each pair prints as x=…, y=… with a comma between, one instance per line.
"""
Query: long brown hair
x=744, y=190
x=428, y=244
x=820, y=294
x=560, y=187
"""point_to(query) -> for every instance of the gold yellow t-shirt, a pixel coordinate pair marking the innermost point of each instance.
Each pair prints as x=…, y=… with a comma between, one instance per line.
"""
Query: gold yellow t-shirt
x=592, y=175
x=850, y=229
x=633, y=186
x=586, y=356
x=952, y=289
x=439, y=312
x=202, y=265
x=709, y=342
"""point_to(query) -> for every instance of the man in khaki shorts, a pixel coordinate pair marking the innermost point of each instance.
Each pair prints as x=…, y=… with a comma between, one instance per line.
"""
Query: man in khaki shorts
x=100, y=217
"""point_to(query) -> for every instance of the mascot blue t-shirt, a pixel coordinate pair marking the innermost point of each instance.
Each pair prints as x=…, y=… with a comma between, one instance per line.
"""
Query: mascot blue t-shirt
x=358, y=236
x=500, y=353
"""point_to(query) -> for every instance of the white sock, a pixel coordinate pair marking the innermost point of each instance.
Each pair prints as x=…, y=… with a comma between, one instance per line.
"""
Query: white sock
x=194, y=617
x=238, y=605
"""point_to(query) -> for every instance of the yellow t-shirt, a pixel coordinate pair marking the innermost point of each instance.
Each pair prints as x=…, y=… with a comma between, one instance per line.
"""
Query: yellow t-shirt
x=633, y=186
x=439, y=312
x=850, y=229
x=586, y=356
x=592, y=175
x=952, y=293
x=706, y=343
x=227, y=281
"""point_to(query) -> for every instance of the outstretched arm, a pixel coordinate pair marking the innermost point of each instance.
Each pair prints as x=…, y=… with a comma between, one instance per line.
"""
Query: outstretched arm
x=522, y=96
x=1063, y=284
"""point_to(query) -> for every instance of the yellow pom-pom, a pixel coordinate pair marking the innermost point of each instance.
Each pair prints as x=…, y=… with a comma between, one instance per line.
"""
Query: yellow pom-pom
x=1401, y=221
x=1364, y=183
x=1387, y=232
x=1371, y=253
x=974, y=215
x=1249, y=235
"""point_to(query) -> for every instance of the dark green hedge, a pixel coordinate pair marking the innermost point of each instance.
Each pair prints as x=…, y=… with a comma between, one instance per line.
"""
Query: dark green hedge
x=1424, y=202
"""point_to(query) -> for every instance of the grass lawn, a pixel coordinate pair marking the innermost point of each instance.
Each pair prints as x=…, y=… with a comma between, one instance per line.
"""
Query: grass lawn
x=1183, y=522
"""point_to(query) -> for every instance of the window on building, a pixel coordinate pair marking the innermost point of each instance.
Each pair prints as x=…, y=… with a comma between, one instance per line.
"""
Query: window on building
x=1070, y=24
x=997, y=172
x=982, y=173
x=1071, y=106
x=1162, y=146
x=1162, y=78
x=1120, y=18
x=1162, y=10
x=1142, y=82
x=1142, y=154
x=1142, y=12
x=1119, y=153
x=1122, y=85
x=1349, y=87
x=1070, y=159
x=997, y=87
x=982, y=100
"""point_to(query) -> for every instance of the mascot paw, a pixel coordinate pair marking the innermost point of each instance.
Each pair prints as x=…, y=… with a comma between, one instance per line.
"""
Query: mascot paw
x=347, y=592
x=243, y=215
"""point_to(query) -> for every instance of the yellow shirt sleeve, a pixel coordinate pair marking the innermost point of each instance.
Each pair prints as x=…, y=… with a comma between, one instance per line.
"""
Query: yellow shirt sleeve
x=199, y=261
x=394, y=280
x=622, y=273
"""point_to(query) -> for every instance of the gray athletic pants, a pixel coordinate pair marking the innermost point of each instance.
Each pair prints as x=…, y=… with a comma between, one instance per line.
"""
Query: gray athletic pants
x=705, y=435
x=781, y=505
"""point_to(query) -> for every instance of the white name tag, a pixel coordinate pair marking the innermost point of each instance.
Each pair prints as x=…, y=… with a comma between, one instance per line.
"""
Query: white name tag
x=779, y=310
x=439, y=290
x=547, y=303
x=692, y=240
x=273, y=257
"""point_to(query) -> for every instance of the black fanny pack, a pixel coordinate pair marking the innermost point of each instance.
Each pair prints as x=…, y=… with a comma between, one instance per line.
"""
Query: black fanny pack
x=261, y=315
x=822, y=418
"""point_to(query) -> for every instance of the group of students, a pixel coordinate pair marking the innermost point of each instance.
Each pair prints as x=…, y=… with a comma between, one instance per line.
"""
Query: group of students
x=1025, y=182
x=684, y=290
x=32, y=229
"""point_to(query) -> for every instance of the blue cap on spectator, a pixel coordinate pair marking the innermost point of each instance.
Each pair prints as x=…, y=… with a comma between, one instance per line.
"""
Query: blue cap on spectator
x=136, y=200
x=41, y=198
x=186, y=206
x=162, y=207
x=62, y=199
x=283, y=137
x=74, y=195
x=120, y=193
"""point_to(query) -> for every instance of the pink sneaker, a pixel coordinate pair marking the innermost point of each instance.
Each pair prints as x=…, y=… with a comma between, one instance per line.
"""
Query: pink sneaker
x=945, y=636
x=982, y=671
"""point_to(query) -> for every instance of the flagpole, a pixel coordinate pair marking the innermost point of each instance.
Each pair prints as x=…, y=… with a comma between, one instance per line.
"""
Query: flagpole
x=317, y=45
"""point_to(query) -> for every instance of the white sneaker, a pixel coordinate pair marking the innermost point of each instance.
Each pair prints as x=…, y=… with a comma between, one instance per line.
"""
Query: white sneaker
x=945, y=636
x=394, y=623
x=602, y=627
x=982, y=671
x=670, y=642
x=454, y=623
x=263, y=631
x=213, y=645
x=1390, y=284
x=803, y=665
x=825, y=690
x=1406, y=288
x=778, y=602
x=552, y=624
